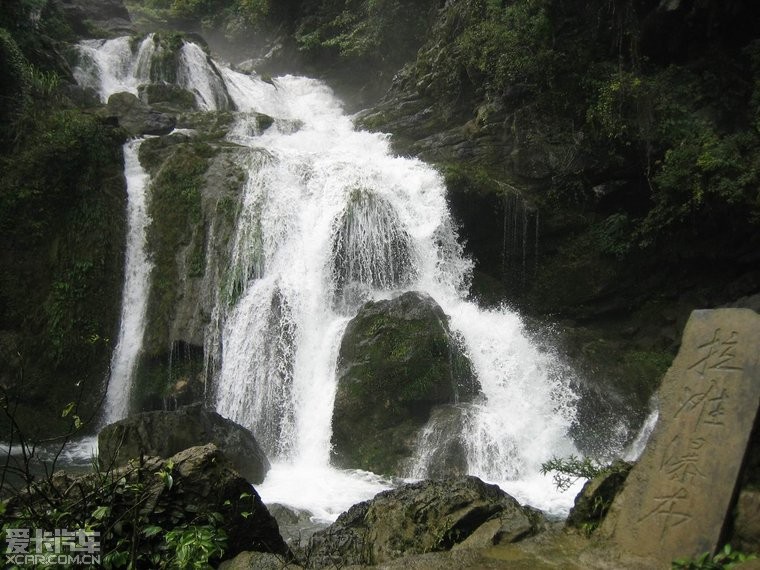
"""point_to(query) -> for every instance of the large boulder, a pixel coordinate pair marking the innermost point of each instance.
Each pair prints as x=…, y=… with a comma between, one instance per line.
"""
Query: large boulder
x=398, y=360
x=422, y=517
x=163, y=434
x=136, y=117
x=167, y=97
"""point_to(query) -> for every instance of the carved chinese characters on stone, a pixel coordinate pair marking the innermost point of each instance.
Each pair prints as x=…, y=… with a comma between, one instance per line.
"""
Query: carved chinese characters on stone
x=676, y=498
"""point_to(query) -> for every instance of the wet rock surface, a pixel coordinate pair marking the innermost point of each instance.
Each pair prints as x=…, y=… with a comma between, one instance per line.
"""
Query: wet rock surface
x=398, y=359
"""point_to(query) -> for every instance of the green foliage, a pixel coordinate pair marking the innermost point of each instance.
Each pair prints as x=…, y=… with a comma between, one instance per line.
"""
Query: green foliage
x=623, y=106
x=613, y=235
x=681, y=141
x=568, y=470
x=61, y=229
x=137, y=529
x=510, y=45
x=14, y=88
x=705, y=174
x=599, y=509
x=36, y=199
x=235, y=18
x=381, y=31
x=725, y=559
x=191, y=547
x=27, y=92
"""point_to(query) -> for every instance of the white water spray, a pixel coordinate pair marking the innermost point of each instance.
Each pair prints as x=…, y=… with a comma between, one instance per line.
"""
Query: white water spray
x=113, y=66
x=638, y=444
x=122, y=65
x=200, y=76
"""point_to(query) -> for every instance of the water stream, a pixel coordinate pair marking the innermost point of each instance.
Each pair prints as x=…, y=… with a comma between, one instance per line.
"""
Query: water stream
x=137, y=268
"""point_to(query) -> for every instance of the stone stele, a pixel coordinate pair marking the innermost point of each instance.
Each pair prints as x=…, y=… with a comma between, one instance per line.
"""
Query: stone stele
x=676, y=498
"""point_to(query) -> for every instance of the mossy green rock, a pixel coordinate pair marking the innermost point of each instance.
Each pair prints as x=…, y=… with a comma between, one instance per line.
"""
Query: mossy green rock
x=398, y=359
x=193, y=202
x=137, y=118
x=167, y=97
x=594, y=500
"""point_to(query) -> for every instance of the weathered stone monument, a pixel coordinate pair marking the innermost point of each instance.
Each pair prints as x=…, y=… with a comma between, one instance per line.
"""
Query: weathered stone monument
x=676, y=498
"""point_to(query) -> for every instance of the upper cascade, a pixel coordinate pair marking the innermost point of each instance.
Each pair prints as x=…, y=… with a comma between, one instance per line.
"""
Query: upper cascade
x=125, y=64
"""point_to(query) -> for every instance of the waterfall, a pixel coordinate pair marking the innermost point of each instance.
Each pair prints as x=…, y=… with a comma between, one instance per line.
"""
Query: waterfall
x=137, y=268
x=329, y=219
x=199, y=76
x=636, y=448
x=112, y=66
x=122, y=64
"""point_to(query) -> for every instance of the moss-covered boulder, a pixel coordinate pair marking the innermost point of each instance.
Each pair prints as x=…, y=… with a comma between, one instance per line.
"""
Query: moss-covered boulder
x=195, y=187
x=398, y=359
x=428, y=516
x=167, y=97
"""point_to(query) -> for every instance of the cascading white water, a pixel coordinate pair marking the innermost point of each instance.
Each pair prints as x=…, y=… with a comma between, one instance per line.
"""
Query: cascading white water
x=119, y=64
x=331, y=218
x=199, y=76
x=137, y=268
x=113, y=66
x=122, y=65
x=636, y=448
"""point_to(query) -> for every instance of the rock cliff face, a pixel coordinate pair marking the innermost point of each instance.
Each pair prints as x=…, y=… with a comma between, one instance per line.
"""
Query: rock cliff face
x=195, y=188
x=398, y=359
x=97, y=19
x=62, y=229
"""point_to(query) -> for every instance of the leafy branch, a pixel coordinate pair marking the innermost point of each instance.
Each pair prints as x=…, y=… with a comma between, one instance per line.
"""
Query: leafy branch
x=566, y=471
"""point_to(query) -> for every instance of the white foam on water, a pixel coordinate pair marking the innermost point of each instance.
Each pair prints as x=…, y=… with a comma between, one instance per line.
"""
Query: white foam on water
x=324, y=491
